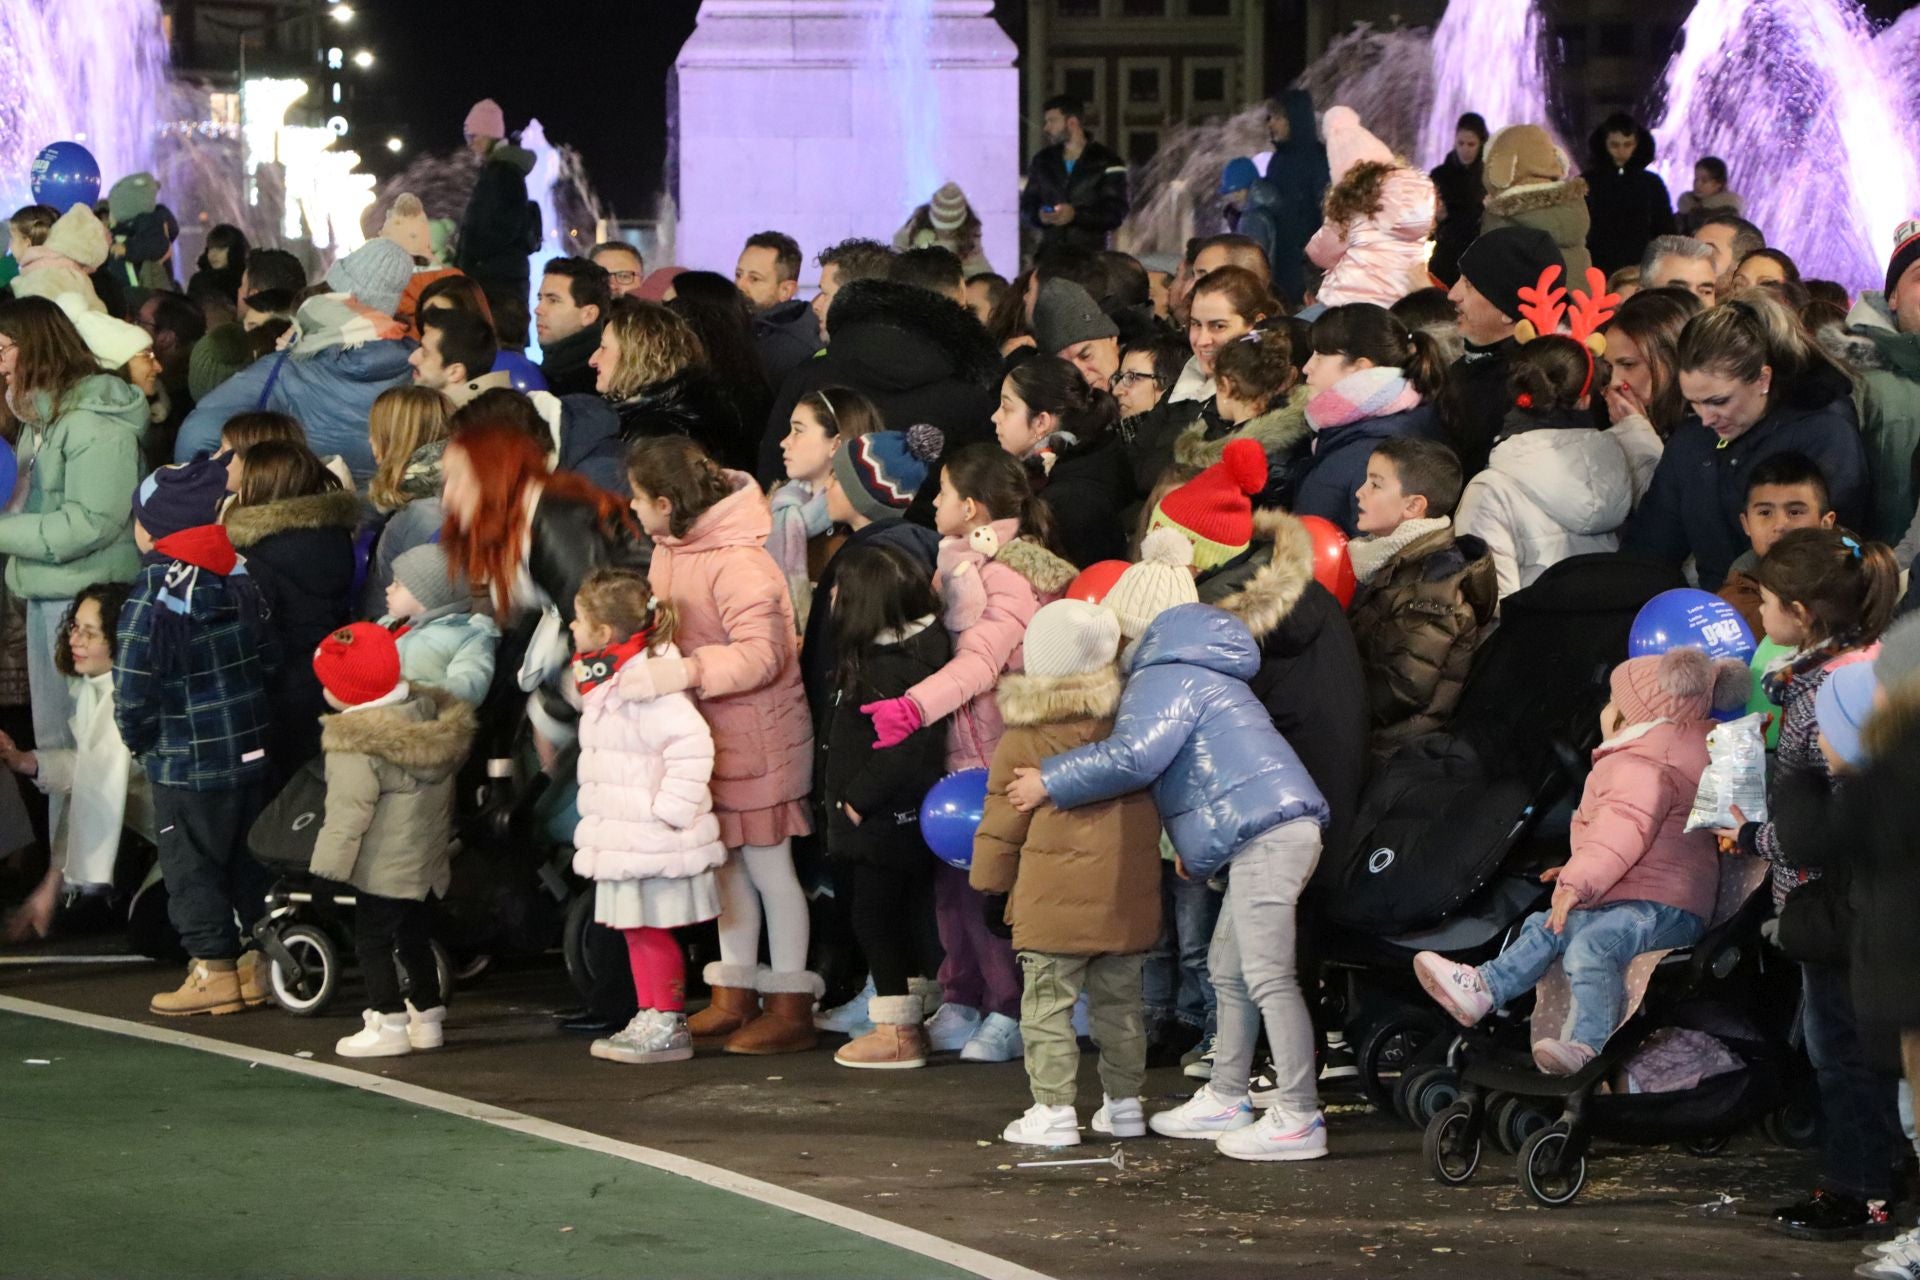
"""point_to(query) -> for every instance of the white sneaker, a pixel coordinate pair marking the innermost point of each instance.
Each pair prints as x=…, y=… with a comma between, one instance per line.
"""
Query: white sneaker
x=1198, y=1064
x=997, y=1040
x=1044, y=1126
x=1204, y=1115
x=1457, y=988
x=1277, y=1137
x=383, y=1035
x=426, y=1030
x=1120, y=1118
x=1881, y=1248
x=951, y=1027
x=652, y=1036
x=1900, y=1261
x=849, y=1019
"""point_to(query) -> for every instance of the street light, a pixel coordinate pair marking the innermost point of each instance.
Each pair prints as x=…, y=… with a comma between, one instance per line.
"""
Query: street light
x=395, y=145
x=341, y=13
x=363, y=59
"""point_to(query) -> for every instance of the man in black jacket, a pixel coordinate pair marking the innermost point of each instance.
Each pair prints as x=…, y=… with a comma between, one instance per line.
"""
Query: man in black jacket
x=785, y=332
x=1486, y=298
x=501, y=226
x=1076, y=192
x=1628, y=202
x=569, y=318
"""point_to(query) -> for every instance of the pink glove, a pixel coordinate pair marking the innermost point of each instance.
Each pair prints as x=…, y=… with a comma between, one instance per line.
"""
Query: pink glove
x=894, y=721
x=655, y=678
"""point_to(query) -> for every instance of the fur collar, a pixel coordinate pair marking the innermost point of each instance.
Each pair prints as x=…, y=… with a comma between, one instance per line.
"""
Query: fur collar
x=1276, y=431
x=1276, y=587
x=1029, y=700
x=941, y=321
x=428, y=735
x=1048, y=573
x=1536, y=196
x=338, y=509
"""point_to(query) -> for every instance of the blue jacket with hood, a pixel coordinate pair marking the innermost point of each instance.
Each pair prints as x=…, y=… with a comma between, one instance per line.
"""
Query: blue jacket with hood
x=1189, y=727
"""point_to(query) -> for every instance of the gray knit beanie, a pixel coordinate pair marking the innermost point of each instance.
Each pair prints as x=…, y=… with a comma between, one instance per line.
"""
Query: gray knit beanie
x=423, y=570
x=1065, y=315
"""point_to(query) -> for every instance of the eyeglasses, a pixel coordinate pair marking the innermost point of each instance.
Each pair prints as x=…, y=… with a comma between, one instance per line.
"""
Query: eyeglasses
x=1127, y=377
x=86, y=635
x=625, y=277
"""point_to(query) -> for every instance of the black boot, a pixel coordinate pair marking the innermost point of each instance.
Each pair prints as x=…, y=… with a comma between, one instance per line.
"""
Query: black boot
x=1827, y=1216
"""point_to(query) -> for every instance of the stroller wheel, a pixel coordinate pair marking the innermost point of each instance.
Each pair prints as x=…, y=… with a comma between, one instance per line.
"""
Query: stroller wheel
x=1705, y=1147
x=1425, y=1093
x=1795, y=1126
x=1388, y=1049
x=309, y=990
x=443, y=970
x=573, y=942
x=469, y=968
x=1452, y=1155
x=1516, y=1120
x=1550, y=1172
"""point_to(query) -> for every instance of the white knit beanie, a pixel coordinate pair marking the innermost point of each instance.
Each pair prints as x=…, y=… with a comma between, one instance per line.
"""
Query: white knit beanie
x=1070, y=638
x=1162, y=579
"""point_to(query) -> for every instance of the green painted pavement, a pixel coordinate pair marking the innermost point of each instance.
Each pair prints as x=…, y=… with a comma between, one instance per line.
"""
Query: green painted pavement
x=128, y=1158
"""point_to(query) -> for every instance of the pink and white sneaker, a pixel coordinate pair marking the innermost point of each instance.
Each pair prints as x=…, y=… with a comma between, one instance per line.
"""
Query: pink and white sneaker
x=1561, y=1057
x=1277, y=1137
x=1457, y=987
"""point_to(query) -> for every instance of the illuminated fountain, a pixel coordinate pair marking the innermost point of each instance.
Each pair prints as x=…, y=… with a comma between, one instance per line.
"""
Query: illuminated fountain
x=1501, y=37
x=835, y=118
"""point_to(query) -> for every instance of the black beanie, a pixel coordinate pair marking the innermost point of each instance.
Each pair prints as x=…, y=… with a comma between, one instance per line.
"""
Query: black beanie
x=1503, y=262
x=1906, y=252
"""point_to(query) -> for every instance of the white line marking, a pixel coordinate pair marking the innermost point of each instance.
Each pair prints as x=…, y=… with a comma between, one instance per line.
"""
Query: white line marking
x=29, y=961
x=875, y=1228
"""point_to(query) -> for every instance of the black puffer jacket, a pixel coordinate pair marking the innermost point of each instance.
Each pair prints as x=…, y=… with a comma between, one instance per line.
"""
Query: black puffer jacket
x=784, y=337
x=1310, y=679
x=818, y=657
x=884, y=787
x=919, y=358
x=1478, y=401
x=1086, y=492
x=687, y=404
x=1629, y=204
x=1462, y=191
x=500, y=226
x=300, y=552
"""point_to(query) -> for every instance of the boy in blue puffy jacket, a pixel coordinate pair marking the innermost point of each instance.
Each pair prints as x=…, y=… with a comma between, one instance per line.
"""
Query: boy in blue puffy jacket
x=1237, y=803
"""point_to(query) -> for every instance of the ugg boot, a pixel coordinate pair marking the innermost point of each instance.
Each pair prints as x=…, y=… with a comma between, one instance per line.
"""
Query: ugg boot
x=734, y=1003
x=212, y=986
x=785, y=1024
x=381, y=1035
x=931, y=996
x=252, y=966
x=896, y=1042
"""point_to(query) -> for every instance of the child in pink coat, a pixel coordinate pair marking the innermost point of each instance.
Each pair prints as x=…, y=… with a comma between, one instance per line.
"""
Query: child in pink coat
x=994, y=573
x=1373, y=245
x=647, y=835
x=735, y=625
x=1637, y=881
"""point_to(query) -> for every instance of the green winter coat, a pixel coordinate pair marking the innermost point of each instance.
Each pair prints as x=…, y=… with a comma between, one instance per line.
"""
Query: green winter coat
x=1886, y=392
x=77, y=525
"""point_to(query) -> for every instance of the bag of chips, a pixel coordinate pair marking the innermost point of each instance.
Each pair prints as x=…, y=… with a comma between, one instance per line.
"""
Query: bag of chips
x=1736, y=775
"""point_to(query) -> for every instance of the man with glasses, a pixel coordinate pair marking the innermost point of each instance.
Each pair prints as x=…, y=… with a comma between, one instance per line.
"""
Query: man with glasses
x=623, y=264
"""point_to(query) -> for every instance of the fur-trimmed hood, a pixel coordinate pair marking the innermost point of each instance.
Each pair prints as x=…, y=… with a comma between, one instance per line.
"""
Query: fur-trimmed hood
x=1870, y=342
x=1276, y=431
x=336, y=509
x=932, y=338
x=1048, y=573
x=1536, y=196
x=1270, y=595
x=428, y=735
x=1029, y=700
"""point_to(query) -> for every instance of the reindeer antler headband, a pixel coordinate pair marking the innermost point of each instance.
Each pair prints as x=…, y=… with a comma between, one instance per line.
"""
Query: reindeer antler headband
x=1542, y=306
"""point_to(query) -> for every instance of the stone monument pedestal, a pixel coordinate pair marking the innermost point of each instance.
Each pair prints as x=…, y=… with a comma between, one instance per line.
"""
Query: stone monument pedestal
x=827, y=119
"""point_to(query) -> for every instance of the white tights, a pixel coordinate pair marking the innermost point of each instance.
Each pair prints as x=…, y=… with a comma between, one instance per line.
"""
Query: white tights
x=755, y=881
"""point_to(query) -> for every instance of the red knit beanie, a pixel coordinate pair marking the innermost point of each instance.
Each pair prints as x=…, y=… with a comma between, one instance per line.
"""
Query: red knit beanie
x=358, y=664
x=1215, y=508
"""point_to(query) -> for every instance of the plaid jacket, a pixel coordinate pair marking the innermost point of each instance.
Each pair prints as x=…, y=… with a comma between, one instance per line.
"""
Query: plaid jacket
x=193, y=710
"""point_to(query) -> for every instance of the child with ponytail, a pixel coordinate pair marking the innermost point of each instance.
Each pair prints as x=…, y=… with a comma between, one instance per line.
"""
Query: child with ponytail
x=710, y=562
x=995, y=571
x=1379, y=211
x=1554, y=486
x=1369, y=379
x=1064, y=431
x=647, y=837
x=1258, y=396
x=822, y=421
x=1828, y=595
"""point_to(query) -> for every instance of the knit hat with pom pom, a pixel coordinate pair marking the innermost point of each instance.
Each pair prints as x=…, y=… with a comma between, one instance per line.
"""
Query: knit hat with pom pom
x=881, y=471
x=1162, y=579
x=1070, y=638
x=1683, y=684
x=1215, y=508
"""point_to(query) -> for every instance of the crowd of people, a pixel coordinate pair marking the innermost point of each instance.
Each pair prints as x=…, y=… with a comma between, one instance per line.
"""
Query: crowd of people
x=759, y=570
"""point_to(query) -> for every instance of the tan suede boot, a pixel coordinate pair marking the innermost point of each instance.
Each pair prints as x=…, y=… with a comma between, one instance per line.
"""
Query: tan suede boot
x=733, y=1006
x=212, y=986
x=785, y=1024
x=896, y=1042
x=252, y=968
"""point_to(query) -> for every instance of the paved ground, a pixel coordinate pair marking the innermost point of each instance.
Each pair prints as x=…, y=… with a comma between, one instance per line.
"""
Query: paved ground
x=921, y=1148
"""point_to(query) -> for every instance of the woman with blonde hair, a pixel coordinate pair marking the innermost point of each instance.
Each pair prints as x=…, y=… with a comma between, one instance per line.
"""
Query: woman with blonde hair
x=652, y=368
x=408, y=430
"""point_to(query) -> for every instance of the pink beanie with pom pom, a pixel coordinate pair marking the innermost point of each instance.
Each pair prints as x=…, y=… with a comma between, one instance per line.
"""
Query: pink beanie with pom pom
x=486, y=120
x=1349, y=143
x=1682, y=684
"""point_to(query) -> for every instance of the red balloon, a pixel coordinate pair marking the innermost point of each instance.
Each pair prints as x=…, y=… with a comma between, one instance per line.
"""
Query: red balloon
x=1331, y=567
x=1096, y=580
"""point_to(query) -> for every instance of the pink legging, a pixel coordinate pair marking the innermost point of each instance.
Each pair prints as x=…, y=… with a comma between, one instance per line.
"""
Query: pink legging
x=659, y=969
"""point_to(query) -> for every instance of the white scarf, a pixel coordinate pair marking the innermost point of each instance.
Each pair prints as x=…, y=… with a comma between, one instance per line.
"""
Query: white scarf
x=1369, y=554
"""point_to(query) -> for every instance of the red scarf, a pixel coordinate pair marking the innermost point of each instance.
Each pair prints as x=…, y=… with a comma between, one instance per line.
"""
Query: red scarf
x=591, y=670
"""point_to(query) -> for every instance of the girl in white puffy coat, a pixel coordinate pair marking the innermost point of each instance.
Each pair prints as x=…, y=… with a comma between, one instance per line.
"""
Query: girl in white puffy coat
x=648, y=836
x=1555, y=486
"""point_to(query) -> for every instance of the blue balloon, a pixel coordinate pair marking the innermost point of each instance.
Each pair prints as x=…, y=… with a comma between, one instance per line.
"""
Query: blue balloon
x=9, y=471
x=951, y=813
x=1688, y=617
x=525, y=373
x=65, y=174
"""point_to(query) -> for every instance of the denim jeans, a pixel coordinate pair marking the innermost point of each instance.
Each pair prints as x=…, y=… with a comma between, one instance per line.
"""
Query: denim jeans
x=1595, y=948
x=1174, y=983
x=1860, y=1136
x=1255, y=970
